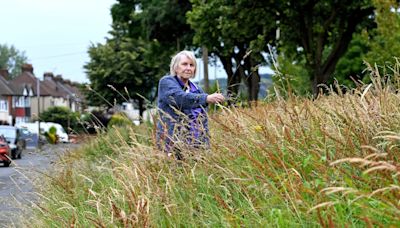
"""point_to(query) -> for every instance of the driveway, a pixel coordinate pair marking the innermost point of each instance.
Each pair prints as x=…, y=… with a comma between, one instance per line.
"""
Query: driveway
x=16, y=189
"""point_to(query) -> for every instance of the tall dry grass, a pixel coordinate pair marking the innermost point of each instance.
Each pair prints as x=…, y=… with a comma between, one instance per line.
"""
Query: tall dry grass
x=332, y=161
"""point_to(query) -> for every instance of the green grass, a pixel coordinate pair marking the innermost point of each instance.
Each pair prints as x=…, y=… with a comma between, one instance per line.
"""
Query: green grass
x=287, y=163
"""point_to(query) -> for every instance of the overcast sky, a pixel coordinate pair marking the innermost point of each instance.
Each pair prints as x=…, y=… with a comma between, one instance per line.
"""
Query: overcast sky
x=55, y=34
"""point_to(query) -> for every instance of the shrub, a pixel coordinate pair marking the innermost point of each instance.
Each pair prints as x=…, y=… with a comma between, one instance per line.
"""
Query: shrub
x=119, y=119
x=51, y=135
x=62, y=115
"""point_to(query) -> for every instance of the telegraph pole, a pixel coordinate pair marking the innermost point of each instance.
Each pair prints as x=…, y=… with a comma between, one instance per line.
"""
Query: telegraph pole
x=205, y=66
x=38, y=111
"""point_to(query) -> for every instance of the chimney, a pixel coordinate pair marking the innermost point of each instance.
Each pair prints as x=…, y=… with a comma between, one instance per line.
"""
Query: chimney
x=5, y=74
x=48, y=76
x=58, y=78
x=27, y=68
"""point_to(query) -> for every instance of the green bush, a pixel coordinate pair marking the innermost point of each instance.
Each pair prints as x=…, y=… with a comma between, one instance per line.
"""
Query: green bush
x=51, y=135
x=119, y=119
x=62, y=115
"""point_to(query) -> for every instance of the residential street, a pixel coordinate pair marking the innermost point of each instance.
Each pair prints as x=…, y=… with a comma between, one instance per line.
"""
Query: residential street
x=16, y=189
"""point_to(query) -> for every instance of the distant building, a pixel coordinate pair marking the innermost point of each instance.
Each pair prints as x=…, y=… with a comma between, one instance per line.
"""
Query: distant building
x=19, y=101
x=15, y=100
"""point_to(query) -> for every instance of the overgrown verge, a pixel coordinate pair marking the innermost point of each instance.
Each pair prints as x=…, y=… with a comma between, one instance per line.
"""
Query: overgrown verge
x=292, y=162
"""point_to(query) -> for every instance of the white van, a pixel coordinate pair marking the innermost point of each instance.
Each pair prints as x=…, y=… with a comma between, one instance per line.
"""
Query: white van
x=44, y=127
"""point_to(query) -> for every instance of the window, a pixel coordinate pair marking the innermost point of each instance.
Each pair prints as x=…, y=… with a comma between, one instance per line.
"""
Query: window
x=19, y=102
x=27, y=102
x=22, y=102
x=3, y=105
x=21, y=119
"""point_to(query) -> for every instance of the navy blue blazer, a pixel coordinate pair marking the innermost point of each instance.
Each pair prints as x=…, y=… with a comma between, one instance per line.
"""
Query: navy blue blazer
x=175, y=106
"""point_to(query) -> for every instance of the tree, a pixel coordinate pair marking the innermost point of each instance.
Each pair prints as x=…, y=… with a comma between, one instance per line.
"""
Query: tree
x=11, y=59
x=321, y=31
x=384, y=42
x=165, y=21
x=144, y=36
x=376, y=44
x=123, y=70
x=235, y=31
x=350, y=67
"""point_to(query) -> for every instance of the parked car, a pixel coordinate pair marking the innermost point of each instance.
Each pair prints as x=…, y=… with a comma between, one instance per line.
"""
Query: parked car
x=14, y=140
x=44, y=127
x=29, y=137
x=5, y=152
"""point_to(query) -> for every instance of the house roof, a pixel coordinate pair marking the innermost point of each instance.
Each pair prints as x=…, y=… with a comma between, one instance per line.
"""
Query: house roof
x=72, y=91
x=5, y=88
x=8, y=88
x=61, y=87
x=27, y=78
x=50, y=86
x=53, y=88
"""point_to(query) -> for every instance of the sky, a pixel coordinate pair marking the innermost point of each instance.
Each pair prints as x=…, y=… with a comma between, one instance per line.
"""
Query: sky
x=55, y=34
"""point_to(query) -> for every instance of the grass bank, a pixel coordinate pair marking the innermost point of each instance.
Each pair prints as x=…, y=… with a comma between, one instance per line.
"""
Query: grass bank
x=288, y=163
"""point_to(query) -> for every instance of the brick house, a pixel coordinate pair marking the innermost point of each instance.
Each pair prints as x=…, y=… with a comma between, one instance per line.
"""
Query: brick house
x=14, y=100
x=19, y=100
x=63, y=92
x=28, y=78
x=6, y=94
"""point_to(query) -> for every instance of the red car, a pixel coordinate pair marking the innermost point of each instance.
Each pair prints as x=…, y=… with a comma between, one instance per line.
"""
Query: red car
x=5, y=152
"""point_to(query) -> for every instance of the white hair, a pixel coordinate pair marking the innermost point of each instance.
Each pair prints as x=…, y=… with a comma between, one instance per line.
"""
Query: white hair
x=177, y=59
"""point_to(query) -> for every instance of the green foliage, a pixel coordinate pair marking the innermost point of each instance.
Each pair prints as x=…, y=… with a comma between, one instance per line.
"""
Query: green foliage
x=384, y=45
x=11, y=59
x=120, y=70
x=351, y=66
x=144, y=36
x=327, y=38
x=320, y=33
x=165, y=21
x=120, y=120
x=290, y=78
x=378, y=45
x=234, y=31
x=315, y=33
x=223, y=25
x=51, y=135
x=62, y=115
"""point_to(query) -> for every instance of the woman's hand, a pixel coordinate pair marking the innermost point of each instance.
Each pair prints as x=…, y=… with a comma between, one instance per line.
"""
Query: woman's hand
x=215, y=98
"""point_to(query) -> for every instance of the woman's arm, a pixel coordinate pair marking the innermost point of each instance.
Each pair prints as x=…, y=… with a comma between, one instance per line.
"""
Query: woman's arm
x=172, y=93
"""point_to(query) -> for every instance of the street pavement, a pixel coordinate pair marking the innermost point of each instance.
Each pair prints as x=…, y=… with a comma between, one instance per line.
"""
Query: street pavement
x=17, y=193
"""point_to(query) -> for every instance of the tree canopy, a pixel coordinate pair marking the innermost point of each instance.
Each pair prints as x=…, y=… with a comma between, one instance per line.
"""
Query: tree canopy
x=128, y=66
x=318, y=40
x=11, y=59
x=235, y=31
x=318, y=32
x=321, y=31
x=383, y=43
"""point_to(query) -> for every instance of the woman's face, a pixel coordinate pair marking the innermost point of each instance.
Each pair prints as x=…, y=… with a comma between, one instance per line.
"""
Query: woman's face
x=185, y=69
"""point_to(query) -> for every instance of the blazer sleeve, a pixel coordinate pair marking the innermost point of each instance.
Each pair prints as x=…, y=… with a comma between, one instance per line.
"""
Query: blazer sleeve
x=172, y=93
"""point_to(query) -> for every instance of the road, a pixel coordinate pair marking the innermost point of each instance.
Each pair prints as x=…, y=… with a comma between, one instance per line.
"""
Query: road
x=16, y=188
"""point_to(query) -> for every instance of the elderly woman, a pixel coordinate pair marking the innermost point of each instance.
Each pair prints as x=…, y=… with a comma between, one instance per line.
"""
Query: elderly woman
x=183, y=106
